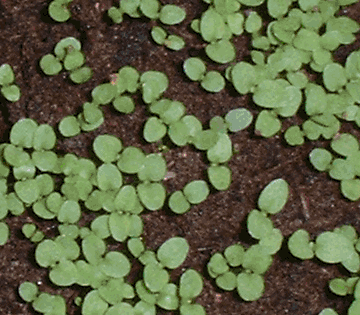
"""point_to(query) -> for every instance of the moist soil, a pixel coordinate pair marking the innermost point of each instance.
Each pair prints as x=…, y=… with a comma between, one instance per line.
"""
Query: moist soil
x=315, y=203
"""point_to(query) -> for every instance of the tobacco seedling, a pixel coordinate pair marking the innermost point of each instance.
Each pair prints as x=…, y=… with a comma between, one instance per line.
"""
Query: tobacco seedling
x=8, y=88
x=58, y=10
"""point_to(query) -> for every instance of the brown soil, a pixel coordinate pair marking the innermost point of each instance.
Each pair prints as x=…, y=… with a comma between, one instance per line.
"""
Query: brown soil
x=292, y=286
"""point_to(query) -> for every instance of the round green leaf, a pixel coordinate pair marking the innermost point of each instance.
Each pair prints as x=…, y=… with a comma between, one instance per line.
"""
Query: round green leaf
x=320, y=158
x=58, y=11
x=258, y=225
x=11, y=92
x=81, y=75
x=93, y=304
x=104, y=93
x=22, y=132
x=222, y=51
x=115, y=265
x=154, y=168
x=196, y=191
x=73, y=60
x=178, y=202
x=28, y=191
x=219, y=176
x=300, y=246
x=44, y=138
x=109, y=177
x=217, y=265
x=174, y=42
x=234, y=255
x=69, y=126
x=173, y=252
x=345, y=144
x=69, y=212
x=191, y=284
x=267, y=124
x=65, y=45
x=154, y=130
x=155, y=277
x=227, y=281
x=107, y=148
x=64, y=273
x=238, y=119
x=6, y=74
x=213, y=81
x=250, y=286
x=171, y=14
x=4, y=233
x=28, y=291
x=350, y=189
x=50, y=64
x=124, y=104
x=48, y=253
x=154, y=84
x=333, y=247
x=152, y=195
x=131, y=160
x=119, y=225
x=274, y=196
x=93, y=247
x=257, y=259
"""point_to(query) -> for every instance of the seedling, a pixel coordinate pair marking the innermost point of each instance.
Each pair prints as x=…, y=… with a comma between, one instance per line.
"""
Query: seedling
x=8, y=89
x=58, y=10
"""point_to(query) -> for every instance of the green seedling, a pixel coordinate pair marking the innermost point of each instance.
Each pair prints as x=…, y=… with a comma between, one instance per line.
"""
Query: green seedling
x=131, y=160
x=194, y=68
x=250, y=286
x=300, y=246
x=107, y=148
x=294, y=136
x=219, y=176
x=222, y=51
x=173, y=252
x=154, y=130
x=213, y=81
x=171, y=14
x=8, y=89
x=69, y=126
x=274, y=196
x=238, y=119
x=4, y=233
x=58, y=10
x=196, y=191
x=152, y=195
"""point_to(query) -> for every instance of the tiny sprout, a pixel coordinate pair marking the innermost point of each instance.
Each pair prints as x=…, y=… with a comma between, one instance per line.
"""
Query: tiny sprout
x=131, y=160
x=154, y=168
x=155, y=277
x=196, y=191
x=150, y=8
x=294, y=136
x=4, y=233
x=274, y=196
x=81, y=75
x=153, y=84
x=107, y=148
x=154, y=130
x=219, y=176
x=250, y=286
x=28, y=291
x=222, y=51
x=191, y=284
x=238, y=119
x=213, y=81
x=69, y=126
x=58, y=10
x=174, y=42
x=258, y=225
x=152, y=195
x=178, y=203
x=226, y=281
x=50, y=64
x=194, y=68
x=171, y=14
x=217, y=265
x=103, y=93
x=267, y=124
x=158, y=34
x=173, y=252
x=6, y=74
x=93, y=304
x=116, y=15
x=338, y=286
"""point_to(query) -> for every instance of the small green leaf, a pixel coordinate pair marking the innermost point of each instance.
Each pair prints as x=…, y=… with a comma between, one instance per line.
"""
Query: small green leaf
x=28, y=291
x=250, y=286
x=238, y=119
x=196, y=191
x=69, y=126
x=213, y=81
x=274, y=196
x=154, y=130
x=219, y=176
x=222, y=51
x=173, y=252
x=171, y=14
x=50, y=64
x=191, y=284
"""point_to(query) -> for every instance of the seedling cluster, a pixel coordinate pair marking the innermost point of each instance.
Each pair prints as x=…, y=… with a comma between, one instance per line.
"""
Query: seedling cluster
x=303, y=33
x=68, y=55
x=250, y=264
x=341, y=245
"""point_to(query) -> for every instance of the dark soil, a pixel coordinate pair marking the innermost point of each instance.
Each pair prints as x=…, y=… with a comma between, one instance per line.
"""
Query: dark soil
x=292, y=286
